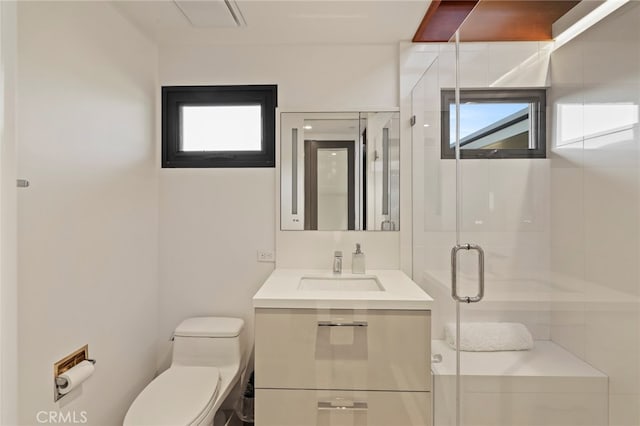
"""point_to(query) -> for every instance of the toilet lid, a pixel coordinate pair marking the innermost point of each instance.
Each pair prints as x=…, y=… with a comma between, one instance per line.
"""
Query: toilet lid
x=177, y=397
x=210, y=327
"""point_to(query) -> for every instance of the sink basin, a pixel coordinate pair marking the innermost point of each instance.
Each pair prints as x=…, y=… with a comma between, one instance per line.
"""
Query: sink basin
x=338, y=283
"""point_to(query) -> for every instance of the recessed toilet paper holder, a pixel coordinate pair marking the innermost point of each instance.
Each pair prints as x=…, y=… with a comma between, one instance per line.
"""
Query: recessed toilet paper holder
x=61, y=382
x=66, y=364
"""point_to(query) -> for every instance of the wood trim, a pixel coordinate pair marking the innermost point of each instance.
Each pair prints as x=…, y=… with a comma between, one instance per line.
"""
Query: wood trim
x=70, y=361
x=491, y=20
x=514, y=20
x=428, y=16
x=442, y=20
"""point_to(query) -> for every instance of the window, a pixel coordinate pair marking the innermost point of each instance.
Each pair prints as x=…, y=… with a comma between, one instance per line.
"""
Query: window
x=503, y=123
x=218, y=126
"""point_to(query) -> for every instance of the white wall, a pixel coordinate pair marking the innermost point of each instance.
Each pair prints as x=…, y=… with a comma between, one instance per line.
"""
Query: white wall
x=8, y=209
x=208, y=250
x=595, y=204
x=88, y=224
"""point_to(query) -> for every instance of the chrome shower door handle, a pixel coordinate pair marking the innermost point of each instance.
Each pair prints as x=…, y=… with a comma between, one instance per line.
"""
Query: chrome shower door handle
x=454, y=273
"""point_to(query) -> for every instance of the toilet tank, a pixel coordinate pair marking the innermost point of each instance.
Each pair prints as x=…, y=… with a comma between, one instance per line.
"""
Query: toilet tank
x=209, y=341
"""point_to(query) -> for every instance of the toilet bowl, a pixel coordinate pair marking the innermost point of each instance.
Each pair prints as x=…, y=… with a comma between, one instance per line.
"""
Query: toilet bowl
x=208, y=358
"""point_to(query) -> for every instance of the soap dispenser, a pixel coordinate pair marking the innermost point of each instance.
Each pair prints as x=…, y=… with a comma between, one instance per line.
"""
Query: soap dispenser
x=358, y=261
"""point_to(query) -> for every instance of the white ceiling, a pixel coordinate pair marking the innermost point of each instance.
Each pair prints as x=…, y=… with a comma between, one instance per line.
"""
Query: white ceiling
x=284, y=22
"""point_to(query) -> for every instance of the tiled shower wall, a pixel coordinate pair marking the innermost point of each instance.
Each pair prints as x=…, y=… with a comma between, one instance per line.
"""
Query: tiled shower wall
x=595, y=204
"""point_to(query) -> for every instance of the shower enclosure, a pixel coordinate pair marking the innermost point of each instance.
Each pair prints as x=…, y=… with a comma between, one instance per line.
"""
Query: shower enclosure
x=526, y=209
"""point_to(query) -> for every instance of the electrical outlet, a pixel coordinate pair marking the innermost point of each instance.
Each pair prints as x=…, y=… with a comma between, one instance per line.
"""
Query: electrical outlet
x=266, y=256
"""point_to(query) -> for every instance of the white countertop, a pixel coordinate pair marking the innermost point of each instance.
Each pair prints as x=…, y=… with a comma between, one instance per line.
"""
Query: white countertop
x=400, y=292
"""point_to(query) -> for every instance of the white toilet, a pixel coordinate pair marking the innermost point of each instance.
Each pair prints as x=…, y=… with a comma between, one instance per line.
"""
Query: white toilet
x=208, y=358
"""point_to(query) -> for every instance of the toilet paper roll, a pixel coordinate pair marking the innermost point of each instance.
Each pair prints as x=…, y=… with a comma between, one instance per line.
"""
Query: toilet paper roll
x=75, y=376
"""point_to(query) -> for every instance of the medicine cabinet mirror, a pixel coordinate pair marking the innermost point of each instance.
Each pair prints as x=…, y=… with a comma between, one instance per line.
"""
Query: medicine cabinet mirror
x=340, y=171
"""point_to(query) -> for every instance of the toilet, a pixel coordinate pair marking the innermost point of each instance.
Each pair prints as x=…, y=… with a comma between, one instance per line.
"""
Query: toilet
x=208, y=359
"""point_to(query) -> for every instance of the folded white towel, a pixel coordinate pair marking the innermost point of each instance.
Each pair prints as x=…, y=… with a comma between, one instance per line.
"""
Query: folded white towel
x=489, y=336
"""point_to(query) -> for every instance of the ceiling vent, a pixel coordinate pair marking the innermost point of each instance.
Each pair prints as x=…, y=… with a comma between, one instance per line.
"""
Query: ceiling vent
x=211, y=13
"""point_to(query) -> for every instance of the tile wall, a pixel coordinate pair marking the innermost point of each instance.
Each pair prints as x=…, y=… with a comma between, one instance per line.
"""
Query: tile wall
x=595, y=204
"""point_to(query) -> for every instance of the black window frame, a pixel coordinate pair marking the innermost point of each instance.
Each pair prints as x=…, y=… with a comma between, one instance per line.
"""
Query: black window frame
x=175, y=97
x=536, y=96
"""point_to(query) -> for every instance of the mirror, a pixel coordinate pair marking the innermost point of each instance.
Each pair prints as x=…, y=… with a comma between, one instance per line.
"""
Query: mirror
x=340, y=171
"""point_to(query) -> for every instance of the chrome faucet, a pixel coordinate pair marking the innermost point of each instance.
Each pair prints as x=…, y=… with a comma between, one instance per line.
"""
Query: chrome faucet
x=337, y=262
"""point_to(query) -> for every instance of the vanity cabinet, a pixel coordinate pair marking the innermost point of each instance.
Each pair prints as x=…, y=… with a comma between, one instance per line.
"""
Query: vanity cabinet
x=342, y=367
x=341, y=408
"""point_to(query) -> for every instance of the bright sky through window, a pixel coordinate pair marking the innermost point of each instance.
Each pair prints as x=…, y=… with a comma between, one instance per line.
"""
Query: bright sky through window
x=221, y=128
x=477, y=116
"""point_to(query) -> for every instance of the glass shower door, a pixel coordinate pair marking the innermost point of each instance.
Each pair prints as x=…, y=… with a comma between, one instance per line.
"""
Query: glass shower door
x=434, y=225
x=474, y=219
x=467, y=255
x=448, y=258
x=499, y=238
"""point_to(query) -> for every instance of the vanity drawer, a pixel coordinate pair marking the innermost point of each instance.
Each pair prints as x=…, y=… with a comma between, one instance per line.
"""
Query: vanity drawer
x=275, y=407
x=343, y=349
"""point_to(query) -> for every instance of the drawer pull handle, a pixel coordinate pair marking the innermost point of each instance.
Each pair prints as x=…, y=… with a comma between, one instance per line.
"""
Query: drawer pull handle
x=342, y=324
x=343, y=405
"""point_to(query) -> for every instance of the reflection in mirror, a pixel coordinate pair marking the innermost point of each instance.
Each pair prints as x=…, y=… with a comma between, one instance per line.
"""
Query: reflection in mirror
x=334, y=209
x=329, y=185
x=495, y=123
x=340, y=171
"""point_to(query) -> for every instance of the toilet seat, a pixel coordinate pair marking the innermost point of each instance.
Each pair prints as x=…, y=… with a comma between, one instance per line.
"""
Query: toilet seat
x=181, y=396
